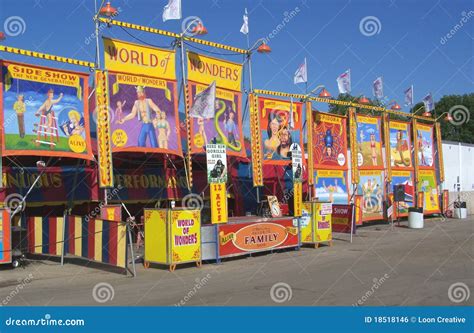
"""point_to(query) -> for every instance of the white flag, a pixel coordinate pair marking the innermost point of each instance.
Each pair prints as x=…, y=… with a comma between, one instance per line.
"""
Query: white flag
x=172, y=10
x=301, y=74
x=378, y=88
x=344, y=82
x=409, y=96
x=204, y=103
x=245, y=26
x=428, y=102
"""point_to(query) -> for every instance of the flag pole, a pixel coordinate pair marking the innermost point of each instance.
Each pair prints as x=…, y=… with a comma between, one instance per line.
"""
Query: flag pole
x=249, y=62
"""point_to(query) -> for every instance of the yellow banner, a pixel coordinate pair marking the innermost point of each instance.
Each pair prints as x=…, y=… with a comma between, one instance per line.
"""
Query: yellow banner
x=330, y=173
x=353, y=145
x=218, y=203
x=185, y=236
x=429, y=173
x=328, y=118
x=106, y=175
x=309, y=133
x=425, y=128
x=399, y=173
x=205, y=70
x=386, y=133
x=132, y=58
x=43, y=75
x=280, y=105
x=440, y=151
x=298, y=199
x=257, y=170
x=398, y=126
x=135, y=80
x=367, y=120
x=369, y=172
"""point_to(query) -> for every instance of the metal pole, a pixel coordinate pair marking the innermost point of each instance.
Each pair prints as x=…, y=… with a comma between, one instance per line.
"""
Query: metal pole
x=97, y=62
x=97, y=55
x=187, y=163
x=130, y=244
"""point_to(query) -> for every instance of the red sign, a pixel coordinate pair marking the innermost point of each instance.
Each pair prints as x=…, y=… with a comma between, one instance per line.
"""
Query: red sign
x=342, y=219
x=445, y=201
x=241, y=238
x=5, y=237
x=111, y=213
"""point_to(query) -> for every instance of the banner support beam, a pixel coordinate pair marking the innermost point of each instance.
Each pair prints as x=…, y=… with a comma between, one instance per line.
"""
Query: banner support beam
x=172, y=35
x=46, y=56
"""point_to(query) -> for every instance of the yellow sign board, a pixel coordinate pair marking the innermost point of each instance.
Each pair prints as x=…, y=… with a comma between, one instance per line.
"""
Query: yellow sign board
x=322, y=221
x=132, y=58
x=306, y=223
x=185, y=236
x=155, y=236
x=172, y=236
x=297, y=199
x=218, y=203
x=205, y=70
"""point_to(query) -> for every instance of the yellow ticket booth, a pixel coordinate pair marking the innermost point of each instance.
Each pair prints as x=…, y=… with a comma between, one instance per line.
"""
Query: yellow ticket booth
x=172, y=236
x=315, y=223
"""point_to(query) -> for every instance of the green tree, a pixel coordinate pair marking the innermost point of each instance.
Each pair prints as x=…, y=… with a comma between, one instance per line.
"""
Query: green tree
x=461, y=108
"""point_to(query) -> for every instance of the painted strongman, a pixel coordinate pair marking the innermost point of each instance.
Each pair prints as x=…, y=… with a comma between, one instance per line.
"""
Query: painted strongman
x=143, y=107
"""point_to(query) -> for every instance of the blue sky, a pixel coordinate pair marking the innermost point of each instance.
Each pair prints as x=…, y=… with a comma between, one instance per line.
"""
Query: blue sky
x=407, y=48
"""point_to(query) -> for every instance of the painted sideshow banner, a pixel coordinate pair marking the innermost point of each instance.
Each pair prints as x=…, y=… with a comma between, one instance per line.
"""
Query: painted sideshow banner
x=280, y=126
x=44, y=112
x=371, y=187
x=404, y=178
x=329, y=141
x=144, y=114
x=225, y=125
x=424, y=145
x=427, y=184
x=369, y=146
x=400, y=145
x=331, y=185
